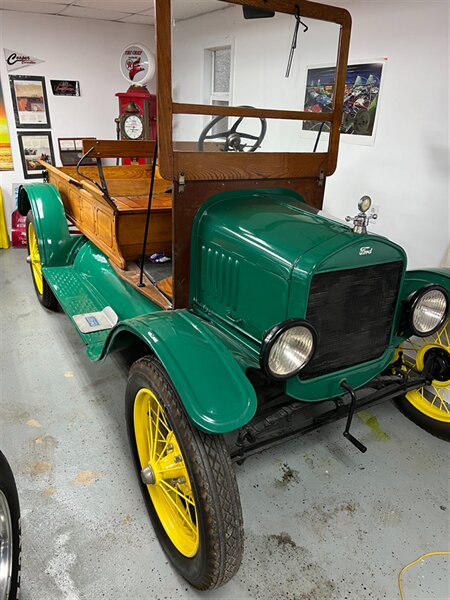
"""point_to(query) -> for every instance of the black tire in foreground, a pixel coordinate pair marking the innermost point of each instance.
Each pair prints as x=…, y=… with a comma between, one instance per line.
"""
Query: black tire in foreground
x=9, y=534
x=187, y=480
x=43, y=290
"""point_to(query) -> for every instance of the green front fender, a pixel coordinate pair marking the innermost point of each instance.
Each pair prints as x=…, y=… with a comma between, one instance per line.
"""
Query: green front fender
x=417, y=279
x=214, y=389
x=54, y=240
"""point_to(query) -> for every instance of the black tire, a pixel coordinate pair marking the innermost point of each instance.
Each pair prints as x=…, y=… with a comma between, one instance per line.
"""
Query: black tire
x=10, y=510
x=213, y=483
x=46, y=297
x=429, y=406
x=439, y=429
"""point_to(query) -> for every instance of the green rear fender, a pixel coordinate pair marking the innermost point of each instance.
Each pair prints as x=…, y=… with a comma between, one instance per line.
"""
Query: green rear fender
x=54, y=240
x=214, y=389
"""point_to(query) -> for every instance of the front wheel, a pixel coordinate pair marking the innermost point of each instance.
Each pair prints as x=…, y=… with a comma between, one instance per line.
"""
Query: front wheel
x=9, y=534
x=429, y=406
x=187, y=480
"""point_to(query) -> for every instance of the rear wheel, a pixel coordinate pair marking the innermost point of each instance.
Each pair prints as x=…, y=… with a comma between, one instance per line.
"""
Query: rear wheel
x=9, y=534
x=43, y=291
x=187, y=480
x=429, y=406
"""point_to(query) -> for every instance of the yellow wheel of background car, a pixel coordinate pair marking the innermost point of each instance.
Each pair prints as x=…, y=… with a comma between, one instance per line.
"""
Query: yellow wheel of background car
x=187, y=480
x=43, y=291
x=429, y=406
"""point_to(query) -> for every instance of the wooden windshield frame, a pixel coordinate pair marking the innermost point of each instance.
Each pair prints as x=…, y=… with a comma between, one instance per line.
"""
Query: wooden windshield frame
x=214, y=166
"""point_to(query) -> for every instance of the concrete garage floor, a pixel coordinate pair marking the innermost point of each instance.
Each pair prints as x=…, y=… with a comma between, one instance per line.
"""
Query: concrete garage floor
x=322, y=521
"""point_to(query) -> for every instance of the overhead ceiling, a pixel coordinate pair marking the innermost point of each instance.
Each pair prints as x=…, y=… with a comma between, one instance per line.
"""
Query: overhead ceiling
x=122, y=11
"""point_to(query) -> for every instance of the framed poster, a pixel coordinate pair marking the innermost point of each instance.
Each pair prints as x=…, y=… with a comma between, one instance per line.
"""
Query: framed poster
x=65, y=88
x=6, y=158
x=71, y=150
x=35, y=146
x=361, y=99
x=30, y=103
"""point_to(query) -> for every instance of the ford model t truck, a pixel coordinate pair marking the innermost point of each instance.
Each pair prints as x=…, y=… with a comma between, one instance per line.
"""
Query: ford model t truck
x=271, y=319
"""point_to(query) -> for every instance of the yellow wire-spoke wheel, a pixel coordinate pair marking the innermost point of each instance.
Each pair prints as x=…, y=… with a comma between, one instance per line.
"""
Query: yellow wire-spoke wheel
x=35, y=258
x=43, y=290
x=164, y=472
x=186, y=477
x=429, y=405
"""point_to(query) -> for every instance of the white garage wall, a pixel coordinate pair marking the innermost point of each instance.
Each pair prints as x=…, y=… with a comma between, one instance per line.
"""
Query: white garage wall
x=80, y=49
x=406, y=170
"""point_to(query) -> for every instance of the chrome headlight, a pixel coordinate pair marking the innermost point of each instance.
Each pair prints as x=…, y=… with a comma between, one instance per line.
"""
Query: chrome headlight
x=428, y=309
x=287, y=348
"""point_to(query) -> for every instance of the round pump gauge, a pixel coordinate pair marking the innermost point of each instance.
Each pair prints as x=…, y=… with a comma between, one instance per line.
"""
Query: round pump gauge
x=132, y=127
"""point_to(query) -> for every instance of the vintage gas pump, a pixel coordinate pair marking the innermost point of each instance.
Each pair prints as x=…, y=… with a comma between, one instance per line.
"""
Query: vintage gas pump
x=137, y=106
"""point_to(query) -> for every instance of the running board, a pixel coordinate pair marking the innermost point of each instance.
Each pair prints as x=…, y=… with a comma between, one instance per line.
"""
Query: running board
x=83, y=307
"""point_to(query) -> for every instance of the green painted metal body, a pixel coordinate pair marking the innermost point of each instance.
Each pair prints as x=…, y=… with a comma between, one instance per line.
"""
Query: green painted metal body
x=56, y=245
x=212, y=384
x=90, y=284
x=253, y=258
x=213, y=387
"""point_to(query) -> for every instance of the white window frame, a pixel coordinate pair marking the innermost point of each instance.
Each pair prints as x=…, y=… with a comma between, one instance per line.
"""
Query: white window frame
x=220, y=96
x=209, y=94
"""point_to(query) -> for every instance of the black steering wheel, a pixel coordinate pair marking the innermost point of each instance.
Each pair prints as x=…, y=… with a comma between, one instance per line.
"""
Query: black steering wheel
x=233, y=138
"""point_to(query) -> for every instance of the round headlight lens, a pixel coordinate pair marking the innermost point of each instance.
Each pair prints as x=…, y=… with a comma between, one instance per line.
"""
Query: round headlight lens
x=291, y=351
x=429, y=312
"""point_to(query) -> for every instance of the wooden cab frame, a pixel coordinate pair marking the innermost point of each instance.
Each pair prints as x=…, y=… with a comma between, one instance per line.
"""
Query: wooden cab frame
x=109, y=204
x=197, y=176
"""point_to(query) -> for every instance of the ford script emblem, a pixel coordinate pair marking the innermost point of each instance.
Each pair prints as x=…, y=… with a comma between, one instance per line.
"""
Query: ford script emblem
x=365, y=250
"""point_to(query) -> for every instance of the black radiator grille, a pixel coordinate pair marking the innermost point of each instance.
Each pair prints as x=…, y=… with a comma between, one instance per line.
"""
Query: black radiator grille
x=352, y=312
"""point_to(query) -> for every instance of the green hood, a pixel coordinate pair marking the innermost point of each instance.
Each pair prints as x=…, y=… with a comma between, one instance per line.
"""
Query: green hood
x=254, y=254
x=270, y=228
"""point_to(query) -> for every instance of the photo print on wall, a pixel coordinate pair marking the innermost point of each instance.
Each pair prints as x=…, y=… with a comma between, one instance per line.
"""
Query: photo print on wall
x=35, y=146
x=361, y=99
x=30, y=101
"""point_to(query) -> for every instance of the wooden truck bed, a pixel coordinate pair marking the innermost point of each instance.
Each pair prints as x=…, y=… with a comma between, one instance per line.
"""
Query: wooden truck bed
x=116, y=225
x=115, y=221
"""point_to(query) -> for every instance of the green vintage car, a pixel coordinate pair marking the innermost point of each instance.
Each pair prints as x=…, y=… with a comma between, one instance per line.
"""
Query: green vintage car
x=271, y=318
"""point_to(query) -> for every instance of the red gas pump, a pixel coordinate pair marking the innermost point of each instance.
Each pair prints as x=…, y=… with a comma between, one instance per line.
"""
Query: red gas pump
x=137, y=116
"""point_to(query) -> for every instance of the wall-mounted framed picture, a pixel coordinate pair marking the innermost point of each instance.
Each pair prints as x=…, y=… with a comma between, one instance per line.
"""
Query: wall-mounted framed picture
x=35, y=146
x=65, y=87
x=71, y=150
x=363, y=89
x=30, y=103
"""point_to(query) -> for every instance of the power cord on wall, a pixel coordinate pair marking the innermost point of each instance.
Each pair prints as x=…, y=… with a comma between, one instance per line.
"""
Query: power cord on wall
x=411, y=564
